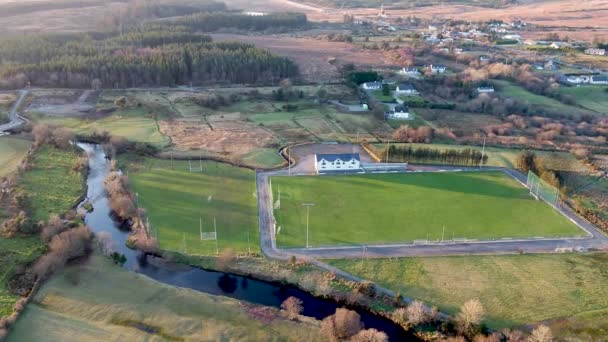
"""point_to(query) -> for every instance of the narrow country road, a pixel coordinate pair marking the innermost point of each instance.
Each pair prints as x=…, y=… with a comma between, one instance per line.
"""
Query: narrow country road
x=15, y=119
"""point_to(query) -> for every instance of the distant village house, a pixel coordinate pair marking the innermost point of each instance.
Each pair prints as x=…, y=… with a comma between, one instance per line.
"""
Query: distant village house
x=399, y=113
x=406, y=89
x=597, y=52
x=372, y=85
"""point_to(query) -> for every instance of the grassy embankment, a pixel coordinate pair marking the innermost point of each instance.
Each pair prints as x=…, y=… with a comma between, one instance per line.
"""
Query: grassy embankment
x=12, y=151
x=97, y=301
x=515, y=290
x=176, y=200
x=52, y=187
x=390, y=208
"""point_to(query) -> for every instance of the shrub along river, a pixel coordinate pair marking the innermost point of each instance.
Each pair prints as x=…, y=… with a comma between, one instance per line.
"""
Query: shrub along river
x=212, y=282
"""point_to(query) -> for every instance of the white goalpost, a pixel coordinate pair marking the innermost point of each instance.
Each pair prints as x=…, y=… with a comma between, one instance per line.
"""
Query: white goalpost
x=540, y=189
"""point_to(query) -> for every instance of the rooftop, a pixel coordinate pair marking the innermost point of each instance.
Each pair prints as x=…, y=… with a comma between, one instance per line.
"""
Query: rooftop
x=341, y=156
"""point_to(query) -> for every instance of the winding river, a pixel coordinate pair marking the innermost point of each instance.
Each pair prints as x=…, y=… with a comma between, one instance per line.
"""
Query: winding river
x=212, y=282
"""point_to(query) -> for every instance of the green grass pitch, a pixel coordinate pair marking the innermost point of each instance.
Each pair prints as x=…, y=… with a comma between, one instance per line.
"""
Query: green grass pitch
x=394, y=208
x=175, y=200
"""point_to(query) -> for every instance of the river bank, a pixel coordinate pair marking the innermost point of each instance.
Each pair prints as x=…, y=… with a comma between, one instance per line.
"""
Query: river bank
x=249, y=288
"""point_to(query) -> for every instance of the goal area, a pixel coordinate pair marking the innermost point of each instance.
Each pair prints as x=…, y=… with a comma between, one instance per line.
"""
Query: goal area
x=540, y=189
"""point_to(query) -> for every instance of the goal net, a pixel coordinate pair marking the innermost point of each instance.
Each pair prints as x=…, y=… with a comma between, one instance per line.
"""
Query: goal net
x=208, y=236
x=540, y=189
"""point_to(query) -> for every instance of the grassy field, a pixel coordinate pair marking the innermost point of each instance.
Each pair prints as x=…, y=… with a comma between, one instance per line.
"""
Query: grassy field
x=515, y=290
x=14, y=253
x=12, y=151
x=133, y=124
x=393, y=208
x=264, y=158
x=516, y=92
x=506, y=157
x=98, y=301
x=176, y=200
x=591, y=97
x=53, y=187
x=308, y=122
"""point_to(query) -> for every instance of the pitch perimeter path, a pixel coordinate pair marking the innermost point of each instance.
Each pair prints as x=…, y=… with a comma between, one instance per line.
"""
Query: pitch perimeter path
x=594, y=240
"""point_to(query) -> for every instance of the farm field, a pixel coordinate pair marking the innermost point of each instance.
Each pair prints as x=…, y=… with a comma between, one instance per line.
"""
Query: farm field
x=462, y=124
x=52, y=185
x=85, y=303
x=540, y=102
x=515, y=290
x=176, y=201
x=126, y=124
x=6, y=102
x=504, y=157
x=593, y=97
x=393, y=208
x=12, y=151
x=15, y=252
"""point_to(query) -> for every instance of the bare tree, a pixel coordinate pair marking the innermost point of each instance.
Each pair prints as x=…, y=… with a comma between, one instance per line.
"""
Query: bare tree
x=63, y=247
x=348, y=322
x=542, y=333
x=513, y=335
x=489, y=338
x=400, y=315
x=370, y=335
x=62, y=138
x=54, y=226
x=293, y=307
x=42, y=134
x=226, y=259
x=417, y=313
x=470, y=316
x=341, y=325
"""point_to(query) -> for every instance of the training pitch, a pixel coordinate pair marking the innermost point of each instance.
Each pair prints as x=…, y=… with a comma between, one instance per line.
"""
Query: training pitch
x=403, y=208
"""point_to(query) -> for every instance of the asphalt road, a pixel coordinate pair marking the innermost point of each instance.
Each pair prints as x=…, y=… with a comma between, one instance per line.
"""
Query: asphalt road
x=15, y=119
x=594, y=239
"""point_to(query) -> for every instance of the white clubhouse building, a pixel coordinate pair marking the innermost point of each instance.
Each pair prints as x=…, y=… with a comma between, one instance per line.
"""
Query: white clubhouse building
x=349, y=162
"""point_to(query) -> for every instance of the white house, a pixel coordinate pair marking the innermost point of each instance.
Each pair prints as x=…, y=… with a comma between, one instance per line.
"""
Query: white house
x=337, y=162
x=559, y=45
x=410, y=71
x=599, y=79
x=485, y=89
x=598, y=52
x=372, y=85
x=399, y=113
x=406, y=89
x=438, y=68
x=578, y=79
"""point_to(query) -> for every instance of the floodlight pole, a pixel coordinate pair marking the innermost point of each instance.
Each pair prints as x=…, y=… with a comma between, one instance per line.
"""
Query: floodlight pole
x=217, y=250
x=388, y=148
x=483, y=150
x=289, y=159
x=307, y=205
x=443, y=234
x=200, y=227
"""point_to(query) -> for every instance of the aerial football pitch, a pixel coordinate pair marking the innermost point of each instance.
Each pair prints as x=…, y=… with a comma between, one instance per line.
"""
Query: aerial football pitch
x=410, y=208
